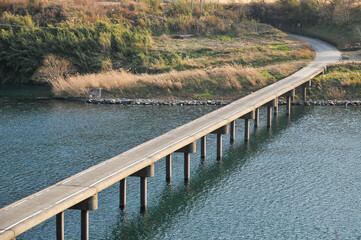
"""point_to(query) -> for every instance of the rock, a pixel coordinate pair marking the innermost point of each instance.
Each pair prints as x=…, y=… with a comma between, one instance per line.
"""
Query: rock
x=95, y=93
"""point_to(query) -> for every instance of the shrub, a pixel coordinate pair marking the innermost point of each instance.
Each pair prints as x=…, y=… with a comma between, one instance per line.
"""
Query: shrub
x=53, y=68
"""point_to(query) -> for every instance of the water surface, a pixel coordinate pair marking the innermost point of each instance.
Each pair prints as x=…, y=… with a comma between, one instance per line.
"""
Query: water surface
x=299, y=180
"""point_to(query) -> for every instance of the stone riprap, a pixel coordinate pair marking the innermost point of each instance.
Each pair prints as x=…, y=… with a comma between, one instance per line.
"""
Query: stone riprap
x=157, y=102
x=152, y=102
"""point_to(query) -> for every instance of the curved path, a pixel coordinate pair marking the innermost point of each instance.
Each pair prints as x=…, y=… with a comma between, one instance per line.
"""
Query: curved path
x=26, y=213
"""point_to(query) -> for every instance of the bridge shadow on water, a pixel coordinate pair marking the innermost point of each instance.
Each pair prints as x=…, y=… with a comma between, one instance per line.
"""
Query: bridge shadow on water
x=175, y=199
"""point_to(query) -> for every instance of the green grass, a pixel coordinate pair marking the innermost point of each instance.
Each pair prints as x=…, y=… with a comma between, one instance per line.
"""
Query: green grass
x=205, y=96
x=280, y=47
x=269, y=46
x=340, y=36
x=343, y=81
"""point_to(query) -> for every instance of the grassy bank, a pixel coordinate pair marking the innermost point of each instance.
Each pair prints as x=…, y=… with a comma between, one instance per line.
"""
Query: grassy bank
x=227, y=82
x=343, y=81
x=220, y=67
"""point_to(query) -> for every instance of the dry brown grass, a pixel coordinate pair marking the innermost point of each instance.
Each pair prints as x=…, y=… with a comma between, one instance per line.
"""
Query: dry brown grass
x=284, y=69
x=230, y=77
x=89, y=10
x=231, y=81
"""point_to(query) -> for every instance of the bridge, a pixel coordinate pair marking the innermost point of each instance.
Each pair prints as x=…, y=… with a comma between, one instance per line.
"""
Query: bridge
x=80, y=191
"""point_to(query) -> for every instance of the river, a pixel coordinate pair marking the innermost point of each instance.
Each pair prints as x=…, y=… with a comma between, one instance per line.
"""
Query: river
x=298, y=180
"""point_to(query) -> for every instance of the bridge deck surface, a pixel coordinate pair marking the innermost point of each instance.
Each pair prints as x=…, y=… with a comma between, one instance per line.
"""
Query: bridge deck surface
x=32, y=210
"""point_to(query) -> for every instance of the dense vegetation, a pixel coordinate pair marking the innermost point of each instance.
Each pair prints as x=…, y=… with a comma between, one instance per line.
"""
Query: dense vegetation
x=43, y=40
x=89, y=48
x=336, y=21
x=93, y=38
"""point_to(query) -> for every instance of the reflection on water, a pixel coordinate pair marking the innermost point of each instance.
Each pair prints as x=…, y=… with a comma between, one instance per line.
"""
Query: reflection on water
x=181, y=201
x=299, y=179
x=25, y=92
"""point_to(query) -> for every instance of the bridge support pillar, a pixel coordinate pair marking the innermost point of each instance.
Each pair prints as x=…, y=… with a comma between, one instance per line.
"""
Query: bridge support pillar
x=187, y=167
x=232, y=134
x=122, y=193
x=86, y=205
x=144, y=174
x=246, y=130
x=168, y=163
x=288, y=105
x=203, y=147
x=84, y=225
x=256, y=119
x=60, y=226
x=219, y=146
x=247, y=117
x=275, y=107
x=143, y=193
x=219, y=132
x=187, y=150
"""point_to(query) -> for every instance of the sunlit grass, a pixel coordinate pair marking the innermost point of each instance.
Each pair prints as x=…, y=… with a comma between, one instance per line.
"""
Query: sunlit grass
x=231, y=81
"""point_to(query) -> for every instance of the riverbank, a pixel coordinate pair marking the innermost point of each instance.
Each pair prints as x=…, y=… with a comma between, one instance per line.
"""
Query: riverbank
x=225, y=82
x=340, y=86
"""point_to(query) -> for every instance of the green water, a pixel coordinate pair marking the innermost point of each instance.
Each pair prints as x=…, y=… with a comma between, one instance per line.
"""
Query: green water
x=298, y=180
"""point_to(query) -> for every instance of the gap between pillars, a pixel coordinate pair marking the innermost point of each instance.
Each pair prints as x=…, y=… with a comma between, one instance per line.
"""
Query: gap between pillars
x=304, y=93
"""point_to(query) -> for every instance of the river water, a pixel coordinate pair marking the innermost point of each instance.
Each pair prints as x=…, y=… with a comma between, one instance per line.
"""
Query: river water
x=298, y=180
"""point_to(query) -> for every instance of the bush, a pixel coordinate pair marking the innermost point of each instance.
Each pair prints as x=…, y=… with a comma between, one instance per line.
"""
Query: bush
x=53, y=68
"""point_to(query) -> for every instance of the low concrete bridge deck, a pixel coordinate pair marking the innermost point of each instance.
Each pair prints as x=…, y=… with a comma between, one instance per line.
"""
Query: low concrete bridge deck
x=28, y=212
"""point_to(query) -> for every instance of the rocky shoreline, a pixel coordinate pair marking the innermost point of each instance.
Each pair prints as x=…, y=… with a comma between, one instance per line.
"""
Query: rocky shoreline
x=155, y=102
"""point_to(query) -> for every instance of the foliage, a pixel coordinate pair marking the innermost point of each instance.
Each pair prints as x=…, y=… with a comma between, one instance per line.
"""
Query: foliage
x=23, y=49
x=336, y=21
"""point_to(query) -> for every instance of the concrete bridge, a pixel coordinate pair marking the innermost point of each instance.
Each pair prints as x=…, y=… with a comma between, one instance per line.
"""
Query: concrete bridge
x=80, y=191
